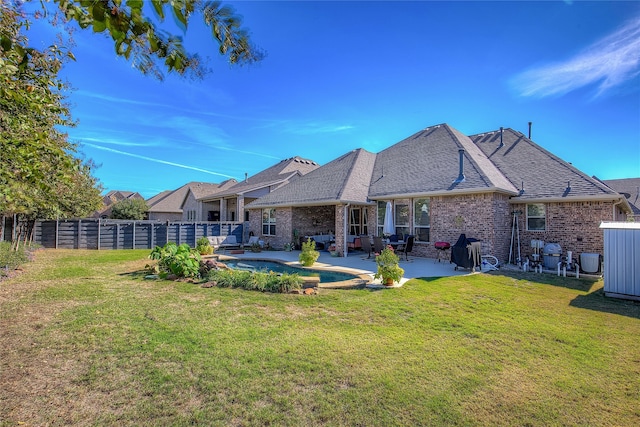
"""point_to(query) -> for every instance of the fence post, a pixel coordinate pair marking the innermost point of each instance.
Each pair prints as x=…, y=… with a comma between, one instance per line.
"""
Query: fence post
x=98, y=233
x=57, y=230
x=133, y=240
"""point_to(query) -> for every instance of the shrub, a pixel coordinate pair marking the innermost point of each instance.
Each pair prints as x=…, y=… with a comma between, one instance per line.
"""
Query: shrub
x=258, y=281
x=309, y=255
x=203, y=246
x=183, y=261
x=11, y=259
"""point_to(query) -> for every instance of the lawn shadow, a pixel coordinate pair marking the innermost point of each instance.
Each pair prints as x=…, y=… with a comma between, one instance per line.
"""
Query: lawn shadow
x=135, y=275
x=583, y=285
x=597, y=301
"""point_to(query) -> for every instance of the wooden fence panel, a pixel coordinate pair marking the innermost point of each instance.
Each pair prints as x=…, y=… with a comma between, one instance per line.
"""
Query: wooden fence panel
x=92, y=233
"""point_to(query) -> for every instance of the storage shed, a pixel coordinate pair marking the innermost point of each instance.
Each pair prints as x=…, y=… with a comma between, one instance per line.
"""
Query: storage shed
x=622, y=259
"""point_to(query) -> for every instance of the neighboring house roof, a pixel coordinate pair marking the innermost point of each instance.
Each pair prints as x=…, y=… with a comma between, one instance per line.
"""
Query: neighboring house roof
x=538, y=174
x=629, y=188
x=343, y=180
x=112, y=197
x=275, y=175
x=172, y=201
x=428, y=163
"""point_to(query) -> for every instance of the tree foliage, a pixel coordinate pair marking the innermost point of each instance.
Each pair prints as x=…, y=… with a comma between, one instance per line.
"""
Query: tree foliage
x=141, y=40
x=134, y=209
x=40, y=175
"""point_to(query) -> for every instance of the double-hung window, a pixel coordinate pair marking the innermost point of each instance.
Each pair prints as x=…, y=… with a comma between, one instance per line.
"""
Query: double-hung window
x=536, y=217
x=421, y=219
x=269, y=222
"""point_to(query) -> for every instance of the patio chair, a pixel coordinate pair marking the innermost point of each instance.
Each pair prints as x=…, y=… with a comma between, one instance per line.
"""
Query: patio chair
x=378, y=246
x=365, y=243
x=408, y=247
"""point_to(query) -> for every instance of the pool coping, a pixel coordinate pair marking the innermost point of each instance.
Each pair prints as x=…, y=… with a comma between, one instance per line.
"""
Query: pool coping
x=363, y=279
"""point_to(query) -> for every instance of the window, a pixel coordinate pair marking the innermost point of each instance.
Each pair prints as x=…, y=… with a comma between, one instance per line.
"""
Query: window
x=421, y=219
x=402, y=219
x=536, y=217
x=269, y=222
x=191, y=215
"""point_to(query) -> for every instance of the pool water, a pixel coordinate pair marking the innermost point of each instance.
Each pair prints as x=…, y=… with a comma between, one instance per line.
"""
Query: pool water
x=324, y=275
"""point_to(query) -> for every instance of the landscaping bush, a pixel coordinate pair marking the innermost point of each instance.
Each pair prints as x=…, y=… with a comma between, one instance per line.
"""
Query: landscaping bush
x=11, y=259
x=183, y=261
x=258, y=281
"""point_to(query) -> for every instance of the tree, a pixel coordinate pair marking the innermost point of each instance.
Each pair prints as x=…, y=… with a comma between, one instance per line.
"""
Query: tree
x=134, y=209
x=139, y=39
x=39, y=173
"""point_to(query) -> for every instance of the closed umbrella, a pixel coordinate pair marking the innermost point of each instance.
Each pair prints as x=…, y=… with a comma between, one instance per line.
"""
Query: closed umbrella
x=388, y=227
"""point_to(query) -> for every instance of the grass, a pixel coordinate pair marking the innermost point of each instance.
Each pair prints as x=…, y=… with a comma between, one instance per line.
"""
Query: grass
x=85, y=340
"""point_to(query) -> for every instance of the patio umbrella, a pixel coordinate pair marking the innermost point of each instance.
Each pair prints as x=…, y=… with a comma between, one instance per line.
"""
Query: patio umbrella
x=388, y=227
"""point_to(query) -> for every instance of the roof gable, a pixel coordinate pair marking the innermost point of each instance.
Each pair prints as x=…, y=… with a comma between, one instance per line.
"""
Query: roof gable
x=535, y=170
x=429, y=162
x=342, y=180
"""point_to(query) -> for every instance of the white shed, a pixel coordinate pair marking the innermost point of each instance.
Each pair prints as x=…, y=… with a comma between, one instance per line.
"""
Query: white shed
x=622, y=259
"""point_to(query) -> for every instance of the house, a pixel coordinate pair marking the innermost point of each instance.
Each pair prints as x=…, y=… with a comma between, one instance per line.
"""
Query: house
x=224, y=202
x=227, y=203
x=630, y=189
x=113, y=197
x=442, y=183
x=170, y=205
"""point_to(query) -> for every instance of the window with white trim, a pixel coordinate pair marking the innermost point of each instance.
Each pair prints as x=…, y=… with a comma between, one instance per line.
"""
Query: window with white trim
x=358, y=221
x=421, y=220
x=382, y=208
x=269, y=222
x=536, y=217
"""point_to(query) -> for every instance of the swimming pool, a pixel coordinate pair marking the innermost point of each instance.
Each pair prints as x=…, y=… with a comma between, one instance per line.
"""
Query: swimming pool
x=325, y=276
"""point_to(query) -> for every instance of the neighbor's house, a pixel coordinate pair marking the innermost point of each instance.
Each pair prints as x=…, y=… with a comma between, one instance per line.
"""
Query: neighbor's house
x=630, y=189
x=170, y=205
x=112, y=197
x=224, y=202
x=228, y=203
x=441, y=184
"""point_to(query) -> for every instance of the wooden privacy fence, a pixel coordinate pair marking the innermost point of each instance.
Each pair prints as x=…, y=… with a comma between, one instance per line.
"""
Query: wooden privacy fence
x=93, y=233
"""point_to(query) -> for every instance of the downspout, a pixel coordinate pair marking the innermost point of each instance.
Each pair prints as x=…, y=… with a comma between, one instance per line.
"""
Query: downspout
x=614, y=208
x=344, y=229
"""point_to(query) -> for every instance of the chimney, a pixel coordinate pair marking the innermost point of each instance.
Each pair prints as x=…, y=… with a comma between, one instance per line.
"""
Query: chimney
x=461, y=172
x=501, y=143
x=530, y=123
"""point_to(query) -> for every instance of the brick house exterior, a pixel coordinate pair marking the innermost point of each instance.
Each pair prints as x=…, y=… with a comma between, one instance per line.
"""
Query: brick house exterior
x=464, y=185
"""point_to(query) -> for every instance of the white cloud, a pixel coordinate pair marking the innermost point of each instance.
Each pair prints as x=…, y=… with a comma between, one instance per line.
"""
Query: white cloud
x=609, y=62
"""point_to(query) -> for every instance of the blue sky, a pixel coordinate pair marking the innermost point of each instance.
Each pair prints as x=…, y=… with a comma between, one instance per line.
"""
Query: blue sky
x=344, y=75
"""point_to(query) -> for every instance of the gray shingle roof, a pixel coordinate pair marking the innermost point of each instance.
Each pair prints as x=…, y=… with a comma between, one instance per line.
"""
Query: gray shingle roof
x=345, y=179
x=171, y=201
x=629, y=188
x=544, y=175
x=274, y=175
x=428, y=162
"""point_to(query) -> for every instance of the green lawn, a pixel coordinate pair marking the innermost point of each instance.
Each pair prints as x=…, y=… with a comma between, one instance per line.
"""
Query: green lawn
x=85, y=340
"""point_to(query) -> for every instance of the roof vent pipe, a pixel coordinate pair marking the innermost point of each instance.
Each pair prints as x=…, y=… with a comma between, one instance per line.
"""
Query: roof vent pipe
x=501, y=132
x=461, y=172
x=530, y=123
x=246, y=177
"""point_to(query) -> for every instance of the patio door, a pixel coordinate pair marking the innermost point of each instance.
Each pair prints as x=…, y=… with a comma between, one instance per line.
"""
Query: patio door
x=358, y=221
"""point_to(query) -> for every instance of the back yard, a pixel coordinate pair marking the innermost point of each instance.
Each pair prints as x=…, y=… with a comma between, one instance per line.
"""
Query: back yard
x=85, y=340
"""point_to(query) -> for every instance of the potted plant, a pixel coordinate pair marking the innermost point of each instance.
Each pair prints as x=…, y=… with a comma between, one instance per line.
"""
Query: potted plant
x=309, y=255
x=388, y=269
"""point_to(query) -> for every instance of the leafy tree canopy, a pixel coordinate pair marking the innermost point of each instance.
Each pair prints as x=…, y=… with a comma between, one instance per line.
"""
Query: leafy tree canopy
x=134, y=209
x=135, y=28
